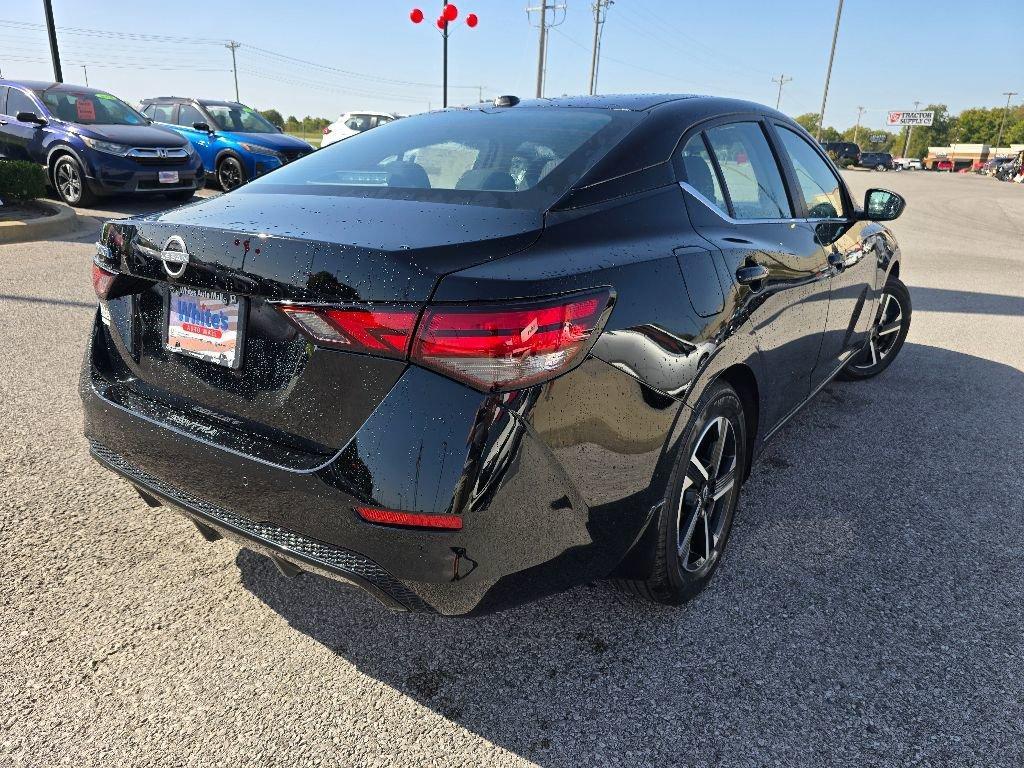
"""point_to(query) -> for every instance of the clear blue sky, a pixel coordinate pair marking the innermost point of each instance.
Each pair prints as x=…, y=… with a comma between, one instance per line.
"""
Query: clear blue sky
x=890, y=52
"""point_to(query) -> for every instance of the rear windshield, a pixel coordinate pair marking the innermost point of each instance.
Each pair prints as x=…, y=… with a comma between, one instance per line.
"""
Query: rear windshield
x=239, y=118
x=511, y=157
x=89, y=108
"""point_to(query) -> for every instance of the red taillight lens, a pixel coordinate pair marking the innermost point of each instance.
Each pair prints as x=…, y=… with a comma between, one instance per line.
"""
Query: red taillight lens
x=383, y=332
x=101, y=281
x=327, y=129
x=510, y=345
x=409, y=519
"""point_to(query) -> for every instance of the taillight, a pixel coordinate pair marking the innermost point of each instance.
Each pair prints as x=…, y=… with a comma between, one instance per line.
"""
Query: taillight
x=491, y=347
x=327, y=129
x=509, y=345
x=102, y=279
x=382, y=332
x=409, y=519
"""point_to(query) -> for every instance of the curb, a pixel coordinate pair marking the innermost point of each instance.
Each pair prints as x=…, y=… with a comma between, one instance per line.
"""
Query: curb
x=63, y=222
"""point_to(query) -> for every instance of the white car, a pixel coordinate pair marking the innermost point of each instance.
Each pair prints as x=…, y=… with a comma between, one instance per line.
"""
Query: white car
x=351, y=123
x=907, y=163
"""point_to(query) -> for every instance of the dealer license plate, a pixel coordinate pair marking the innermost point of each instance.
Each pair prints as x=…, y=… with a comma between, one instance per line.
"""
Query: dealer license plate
x=207, y=325
x=168, y=177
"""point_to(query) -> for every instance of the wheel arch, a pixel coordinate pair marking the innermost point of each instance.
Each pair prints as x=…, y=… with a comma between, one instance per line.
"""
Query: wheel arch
x=55, y=153
x=742, y=379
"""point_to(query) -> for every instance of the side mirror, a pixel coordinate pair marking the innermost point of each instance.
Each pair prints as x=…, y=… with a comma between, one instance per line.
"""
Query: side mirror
x=202, y=127
x=30, y=117
x=883, y=205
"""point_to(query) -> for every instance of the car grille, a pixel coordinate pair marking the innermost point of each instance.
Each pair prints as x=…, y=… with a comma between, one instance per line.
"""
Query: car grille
x=328, y=557
x=159, y=156
x=293, y=154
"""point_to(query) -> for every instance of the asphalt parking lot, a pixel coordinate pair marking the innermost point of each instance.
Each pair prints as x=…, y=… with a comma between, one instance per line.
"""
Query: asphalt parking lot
x=868, y=611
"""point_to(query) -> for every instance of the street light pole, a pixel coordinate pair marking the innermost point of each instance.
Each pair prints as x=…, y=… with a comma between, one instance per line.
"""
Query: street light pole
x=856, y=131
x=910, y=130
x=828, y=74
x=52, y=32
x=85, y=73
x=1009, y=95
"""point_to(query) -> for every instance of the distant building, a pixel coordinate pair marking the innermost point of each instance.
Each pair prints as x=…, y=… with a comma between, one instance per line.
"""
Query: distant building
x=966, y=155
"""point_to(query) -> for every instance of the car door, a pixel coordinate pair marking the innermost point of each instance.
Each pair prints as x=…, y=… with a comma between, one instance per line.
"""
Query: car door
x=204, y=142
x=830, y=212
x=737, y=201
x=21, y=140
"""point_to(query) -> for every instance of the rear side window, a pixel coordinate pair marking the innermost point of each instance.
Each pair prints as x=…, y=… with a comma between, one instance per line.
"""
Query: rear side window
x=162, y=113
x=700, y=171
x=749, y=171
x=818, y=184
x=358, y=123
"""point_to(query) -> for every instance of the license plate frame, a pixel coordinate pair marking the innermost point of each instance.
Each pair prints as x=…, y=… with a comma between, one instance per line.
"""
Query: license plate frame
x=204, y=340
x=168, y=177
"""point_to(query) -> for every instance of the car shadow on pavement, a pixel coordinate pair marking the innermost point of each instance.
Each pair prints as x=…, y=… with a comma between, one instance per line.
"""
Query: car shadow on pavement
x=972, y=302
x=868, y=606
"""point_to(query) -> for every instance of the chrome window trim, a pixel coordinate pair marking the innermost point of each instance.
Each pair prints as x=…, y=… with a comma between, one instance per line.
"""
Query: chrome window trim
x=687, y=187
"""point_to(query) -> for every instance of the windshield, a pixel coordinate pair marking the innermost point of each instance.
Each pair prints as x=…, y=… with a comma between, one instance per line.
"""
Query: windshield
x=236, y=117
x=90, y=108
x=508, y=157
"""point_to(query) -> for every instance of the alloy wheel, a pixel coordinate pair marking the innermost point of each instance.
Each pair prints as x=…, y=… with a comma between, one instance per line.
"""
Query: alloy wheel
x=229, y=175
x=69, y=182
x=708, y=487
x=883, y=335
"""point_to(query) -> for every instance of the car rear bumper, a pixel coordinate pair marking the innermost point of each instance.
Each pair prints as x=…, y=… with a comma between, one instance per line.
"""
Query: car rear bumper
x=432, y=446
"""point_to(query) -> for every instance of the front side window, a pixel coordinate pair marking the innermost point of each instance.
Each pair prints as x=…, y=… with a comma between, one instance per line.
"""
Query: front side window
x=700, y=171
x=19, y=102
x=518, y=157
x=189, y=116
x=818, y=184
x=90, y=108
x=236, y=117
x=750, y=172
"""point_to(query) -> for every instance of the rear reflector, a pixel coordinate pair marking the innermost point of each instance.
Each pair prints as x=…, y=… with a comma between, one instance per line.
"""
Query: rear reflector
x=510, y=345
x=101, y=281
x=409, y=519
x=382, y=332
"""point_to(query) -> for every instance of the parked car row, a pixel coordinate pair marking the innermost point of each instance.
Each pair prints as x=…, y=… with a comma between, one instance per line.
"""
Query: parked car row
x=91, y=143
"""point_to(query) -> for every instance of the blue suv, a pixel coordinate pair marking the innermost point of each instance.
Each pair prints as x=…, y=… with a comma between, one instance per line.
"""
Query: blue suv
x=92, y=143
x=235, y=142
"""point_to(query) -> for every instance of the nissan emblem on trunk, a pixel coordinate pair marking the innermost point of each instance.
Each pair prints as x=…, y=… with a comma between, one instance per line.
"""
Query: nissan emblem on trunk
x=174, y=256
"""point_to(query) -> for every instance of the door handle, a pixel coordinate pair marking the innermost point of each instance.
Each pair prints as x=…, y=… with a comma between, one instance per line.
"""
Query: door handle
x=3, y=122
x=751, y=273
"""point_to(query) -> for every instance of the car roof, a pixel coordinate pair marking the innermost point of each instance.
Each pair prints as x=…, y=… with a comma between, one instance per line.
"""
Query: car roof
x=191, y=99
x=49, y=85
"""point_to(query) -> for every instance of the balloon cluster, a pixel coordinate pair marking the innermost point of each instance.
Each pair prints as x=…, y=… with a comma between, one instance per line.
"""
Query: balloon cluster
x=449, y=14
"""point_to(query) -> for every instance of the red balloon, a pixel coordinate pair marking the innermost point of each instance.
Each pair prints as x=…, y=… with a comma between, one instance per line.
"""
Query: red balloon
x=441, y=23
x=451, y=13
x=416, y=15
x=472, y=20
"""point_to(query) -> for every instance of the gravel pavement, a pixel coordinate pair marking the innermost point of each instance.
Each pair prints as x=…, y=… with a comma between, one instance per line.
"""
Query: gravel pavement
x=868, y=611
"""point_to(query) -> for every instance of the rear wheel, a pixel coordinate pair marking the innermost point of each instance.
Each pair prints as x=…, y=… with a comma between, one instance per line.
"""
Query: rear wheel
x=696, y=516
x=230, y=173
x=69, y=181
x=880, y=167
x=888, y=332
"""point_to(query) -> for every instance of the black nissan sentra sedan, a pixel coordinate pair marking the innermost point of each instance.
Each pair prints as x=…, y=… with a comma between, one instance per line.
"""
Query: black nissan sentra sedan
x=478, y=356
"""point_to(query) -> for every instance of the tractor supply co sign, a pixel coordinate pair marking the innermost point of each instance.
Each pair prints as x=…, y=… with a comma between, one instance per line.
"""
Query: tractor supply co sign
x=911, y=118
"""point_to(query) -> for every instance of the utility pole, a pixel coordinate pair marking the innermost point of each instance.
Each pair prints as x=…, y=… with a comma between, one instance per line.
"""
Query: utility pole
x=856, y=131
x=542, y=48
x=1009, y=95
x=85, y=72
x=781, y=80
x=600, y=12
x=828, y=74
x=234, y=64
x=910, y=130
x=52, y=32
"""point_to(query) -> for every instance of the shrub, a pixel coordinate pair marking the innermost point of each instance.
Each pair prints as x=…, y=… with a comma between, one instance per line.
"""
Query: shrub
x=21, y=180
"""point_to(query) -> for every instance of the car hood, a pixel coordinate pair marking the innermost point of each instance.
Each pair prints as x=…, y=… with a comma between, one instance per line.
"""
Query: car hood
x=133, y=135
x=315, y=247
x=278, y=141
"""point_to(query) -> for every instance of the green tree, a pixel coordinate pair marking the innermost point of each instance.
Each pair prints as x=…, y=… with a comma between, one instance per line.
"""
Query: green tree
x=978, y=125
x=809, y=121
x=273, y=116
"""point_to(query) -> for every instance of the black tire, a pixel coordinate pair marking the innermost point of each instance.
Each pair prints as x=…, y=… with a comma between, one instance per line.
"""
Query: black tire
x=182, y=196
x=230, y=173
x=892, y=318
x=685, y=559
x=880, y=167
x=69, y=182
